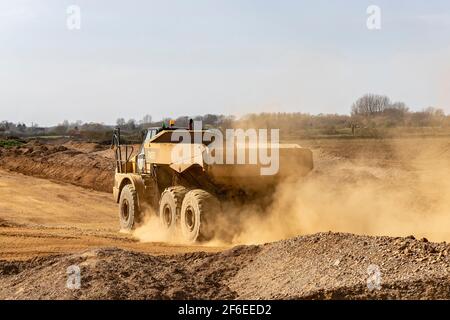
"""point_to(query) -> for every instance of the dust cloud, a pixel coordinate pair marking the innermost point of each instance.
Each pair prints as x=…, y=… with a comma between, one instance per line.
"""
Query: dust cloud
x=407, y=194
x=151, y=230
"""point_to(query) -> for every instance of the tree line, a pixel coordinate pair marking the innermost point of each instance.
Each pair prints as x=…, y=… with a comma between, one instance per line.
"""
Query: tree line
x=370, y=115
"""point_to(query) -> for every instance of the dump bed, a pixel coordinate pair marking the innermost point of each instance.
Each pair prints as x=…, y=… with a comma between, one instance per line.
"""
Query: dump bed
x=294, y=162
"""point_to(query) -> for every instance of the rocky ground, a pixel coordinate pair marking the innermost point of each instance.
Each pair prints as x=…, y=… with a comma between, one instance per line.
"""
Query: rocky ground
x=319, y=266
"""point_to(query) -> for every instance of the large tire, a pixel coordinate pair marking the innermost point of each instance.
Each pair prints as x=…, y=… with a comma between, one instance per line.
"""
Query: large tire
x=170, y=207
x=197, y=215
x=129, y=214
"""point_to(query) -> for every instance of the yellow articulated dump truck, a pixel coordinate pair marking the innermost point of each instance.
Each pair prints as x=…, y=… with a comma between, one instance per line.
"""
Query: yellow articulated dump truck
x=185, y=175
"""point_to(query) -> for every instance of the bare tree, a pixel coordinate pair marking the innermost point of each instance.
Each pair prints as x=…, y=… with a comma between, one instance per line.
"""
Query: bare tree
x=370, y=104
x=435, y=112
x=120, y=122
x=399, y=106
x=131, y=124
x=146, y=119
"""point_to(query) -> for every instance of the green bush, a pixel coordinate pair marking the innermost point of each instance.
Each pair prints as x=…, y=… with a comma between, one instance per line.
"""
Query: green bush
x=10, y=143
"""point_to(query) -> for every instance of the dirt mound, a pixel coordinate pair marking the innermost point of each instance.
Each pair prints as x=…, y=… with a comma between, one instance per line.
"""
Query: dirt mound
x=337, y=265
x=321, y=266
x=112, y=273
x=82, y=164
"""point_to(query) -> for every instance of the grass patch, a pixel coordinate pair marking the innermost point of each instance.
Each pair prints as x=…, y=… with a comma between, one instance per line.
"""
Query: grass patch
x=10, y=143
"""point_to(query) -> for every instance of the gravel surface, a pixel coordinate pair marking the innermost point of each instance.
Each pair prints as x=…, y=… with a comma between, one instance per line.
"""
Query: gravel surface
x=319, y=266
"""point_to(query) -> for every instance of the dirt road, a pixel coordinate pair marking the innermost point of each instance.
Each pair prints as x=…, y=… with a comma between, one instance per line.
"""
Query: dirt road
x=39, y=217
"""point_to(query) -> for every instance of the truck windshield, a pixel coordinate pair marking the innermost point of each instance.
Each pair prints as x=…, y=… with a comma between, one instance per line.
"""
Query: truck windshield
x=150, y=134
x=166, y=137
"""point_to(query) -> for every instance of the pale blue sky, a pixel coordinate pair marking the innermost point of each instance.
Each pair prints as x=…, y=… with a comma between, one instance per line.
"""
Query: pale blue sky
x=171, y=58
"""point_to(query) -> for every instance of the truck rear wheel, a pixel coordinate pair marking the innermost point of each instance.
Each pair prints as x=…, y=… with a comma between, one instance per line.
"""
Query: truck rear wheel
x=197, y=215
x=170, y=207
x=128, y=208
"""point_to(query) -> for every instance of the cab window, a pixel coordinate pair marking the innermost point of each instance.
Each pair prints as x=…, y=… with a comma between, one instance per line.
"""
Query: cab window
x=150, y=134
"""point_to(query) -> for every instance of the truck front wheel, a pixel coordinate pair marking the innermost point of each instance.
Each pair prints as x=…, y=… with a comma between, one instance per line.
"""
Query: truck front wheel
x=128, y=208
